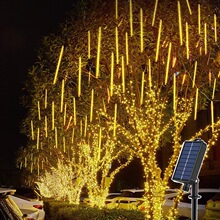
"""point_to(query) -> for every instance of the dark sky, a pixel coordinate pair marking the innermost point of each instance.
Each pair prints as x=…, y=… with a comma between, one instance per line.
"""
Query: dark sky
x=23, y=24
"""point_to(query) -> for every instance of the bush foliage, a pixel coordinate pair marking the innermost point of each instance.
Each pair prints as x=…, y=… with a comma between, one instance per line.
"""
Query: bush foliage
x=63, y=211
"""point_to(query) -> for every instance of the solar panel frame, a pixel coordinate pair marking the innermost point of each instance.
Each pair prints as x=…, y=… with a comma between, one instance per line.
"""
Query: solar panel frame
x=189, y=161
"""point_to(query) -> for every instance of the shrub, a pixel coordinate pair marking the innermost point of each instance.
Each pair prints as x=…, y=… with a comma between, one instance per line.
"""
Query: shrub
x=62, y=211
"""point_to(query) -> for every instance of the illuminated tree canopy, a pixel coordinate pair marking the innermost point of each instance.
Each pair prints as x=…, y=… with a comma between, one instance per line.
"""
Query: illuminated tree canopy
x=122, y=80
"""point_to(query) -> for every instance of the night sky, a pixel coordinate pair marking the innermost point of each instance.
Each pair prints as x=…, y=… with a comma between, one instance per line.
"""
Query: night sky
x=23, y=24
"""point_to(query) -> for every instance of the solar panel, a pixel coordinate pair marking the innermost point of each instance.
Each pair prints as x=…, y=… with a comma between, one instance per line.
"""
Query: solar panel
x=189, y=162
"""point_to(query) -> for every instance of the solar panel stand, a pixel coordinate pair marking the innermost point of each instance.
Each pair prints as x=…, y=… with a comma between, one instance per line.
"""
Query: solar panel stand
x=194, y=199
x=187, y=170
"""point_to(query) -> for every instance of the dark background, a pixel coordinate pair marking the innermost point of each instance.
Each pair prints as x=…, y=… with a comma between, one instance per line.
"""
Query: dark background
x=23, y=24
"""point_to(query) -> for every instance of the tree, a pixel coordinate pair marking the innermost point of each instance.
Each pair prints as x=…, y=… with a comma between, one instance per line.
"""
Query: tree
x=158, y=68
x=100, y=152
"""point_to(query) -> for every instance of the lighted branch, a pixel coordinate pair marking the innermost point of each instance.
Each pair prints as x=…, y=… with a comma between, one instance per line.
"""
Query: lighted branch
x=99, y=151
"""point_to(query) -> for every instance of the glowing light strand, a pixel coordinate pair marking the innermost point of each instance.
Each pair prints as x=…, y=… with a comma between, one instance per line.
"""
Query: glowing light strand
x=58, y=65
x=180, y=23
